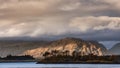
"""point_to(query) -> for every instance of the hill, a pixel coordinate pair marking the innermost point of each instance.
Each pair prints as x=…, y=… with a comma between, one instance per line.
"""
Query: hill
x=71, y=45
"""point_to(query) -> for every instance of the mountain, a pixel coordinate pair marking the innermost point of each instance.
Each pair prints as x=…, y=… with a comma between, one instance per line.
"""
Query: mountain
x=69, y=44
x=18, y=47
x=115, y=50
x=38, y=48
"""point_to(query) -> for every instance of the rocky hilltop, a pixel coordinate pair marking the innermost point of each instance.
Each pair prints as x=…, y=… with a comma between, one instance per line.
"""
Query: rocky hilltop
x=115, y=50
x=70, y=45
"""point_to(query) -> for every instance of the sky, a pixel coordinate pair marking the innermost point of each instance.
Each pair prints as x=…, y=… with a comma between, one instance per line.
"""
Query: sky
x=52, y=19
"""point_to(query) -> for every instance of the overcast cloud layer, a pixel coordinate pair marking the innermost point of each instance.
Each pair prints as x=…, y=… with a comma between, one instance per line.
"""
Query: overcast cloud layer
x=87, y=19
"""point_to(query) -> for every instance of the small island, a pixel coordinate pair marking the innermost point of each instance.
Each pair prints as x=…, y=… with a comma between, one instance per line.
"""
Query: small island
x=10, y=58
x=75, y=58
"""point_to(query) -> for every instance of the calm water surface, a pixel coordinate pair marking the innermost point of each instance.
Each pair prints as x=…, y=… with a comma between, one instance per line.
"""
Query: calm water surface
x=34, y=65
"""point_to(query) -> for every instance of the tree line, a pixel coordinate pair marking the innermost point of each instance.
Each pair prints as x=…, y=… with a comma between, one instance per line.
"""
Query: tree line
x=10, y=57
x=56, y=56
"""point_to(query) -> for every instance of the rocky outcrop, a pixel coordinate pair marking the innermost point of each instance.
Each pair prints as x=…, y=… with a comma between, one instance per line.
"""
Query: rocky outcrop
x=115, y=50
x=69, y=44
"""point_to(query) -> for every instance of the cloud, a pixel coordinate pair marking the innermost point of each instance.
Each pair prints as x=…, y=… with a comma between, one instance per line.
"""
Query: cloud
x=96, y=23
x=70, y=6
x=96, y=28
x=88, y=19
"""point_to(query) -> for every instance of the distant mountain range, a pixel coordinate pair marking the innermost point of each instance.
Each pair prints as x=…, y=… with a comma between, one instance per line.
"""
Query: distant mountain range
x=115, y=50
x=37, y=48
x=18, y=47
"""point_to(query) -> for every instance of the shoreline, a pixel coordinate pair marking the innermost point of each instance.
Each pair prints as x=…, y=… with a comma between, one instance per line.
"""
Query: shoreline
x=10, y=61
x=14, y=61
x=78, y=63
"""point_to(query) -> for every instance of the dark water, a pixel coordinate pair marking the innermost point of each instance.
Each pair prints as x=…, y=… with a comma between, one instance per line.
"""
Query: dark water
x=33, y=65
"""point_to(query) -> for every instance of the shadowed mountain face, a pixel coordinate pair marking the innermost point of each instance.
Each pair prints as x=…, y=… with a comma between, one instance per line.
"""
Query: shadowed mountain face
x=115, y=50
x=37, y=48
x=18, y=47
